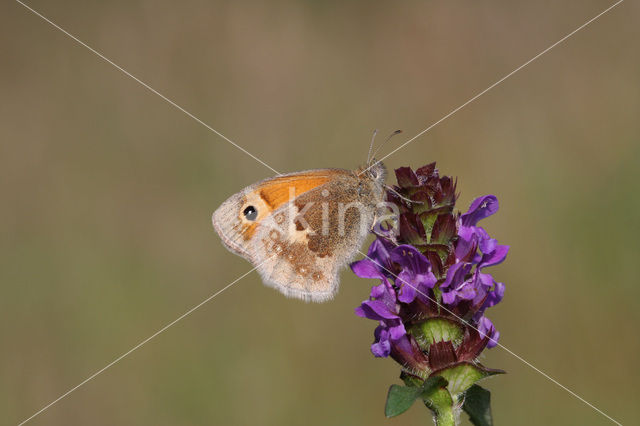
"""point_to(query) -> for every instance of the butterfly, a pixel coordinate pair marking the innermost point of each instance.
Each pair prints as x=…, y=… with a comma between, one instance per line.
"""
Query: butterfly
x=300, y=229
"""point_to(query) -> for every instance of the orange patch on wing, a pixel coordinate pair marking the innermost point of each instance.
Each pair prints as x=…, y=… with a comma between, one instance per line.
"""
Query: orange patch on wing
x=248, y=231
x=278, y=190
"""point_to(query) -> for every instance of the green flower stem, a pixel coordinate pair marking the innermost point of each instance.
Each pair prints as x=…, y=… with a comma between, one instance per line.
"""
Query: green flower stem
x=441, y=404
x=446, y=417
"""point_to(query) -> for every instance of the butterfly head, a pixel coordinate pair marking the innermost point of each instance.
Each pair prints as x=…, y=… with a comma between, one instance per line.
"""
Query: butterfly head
x=375, y=170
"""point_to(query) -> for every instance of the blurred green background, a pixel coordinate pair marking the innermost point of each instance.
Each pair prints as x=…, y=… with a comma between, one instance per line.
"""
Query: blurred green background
x=107, y=193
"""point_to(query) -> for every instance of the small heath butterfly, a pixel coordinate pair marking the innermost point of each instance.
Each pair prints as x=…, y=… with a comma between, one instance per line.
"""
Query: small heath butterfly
x=300, y=229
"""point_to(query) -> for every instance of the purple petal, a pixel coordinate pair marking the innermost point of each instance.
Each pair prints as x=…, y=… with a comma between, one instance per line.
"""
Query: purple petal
x=378, y=255
x=494, y=258
x=484, y=325
x=484, y=280
x=377, y=309
x=466, y=292
x=455, y=275
x=378, y=291
x=495, y=296
x=488, y=291
x=486, y=328
x=366, y=269
x=381, y=332
x=449, y=298
x=487, y=244
x=426, y=281
x=467, y=243
x=360, y=312
x=397, y=331
x=377, y=249
x=416, y=275
x=409, y=257
x=381, y=347
x=493, y=342
x=388, y=296
x=480, y=208
x=407, y=291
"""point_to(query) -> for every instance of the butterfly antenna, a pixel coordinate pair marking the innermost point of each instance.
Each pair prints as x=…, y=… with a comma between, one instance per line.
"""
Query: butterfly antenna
x=397, y=132
x=373, y=138
x=390, y=188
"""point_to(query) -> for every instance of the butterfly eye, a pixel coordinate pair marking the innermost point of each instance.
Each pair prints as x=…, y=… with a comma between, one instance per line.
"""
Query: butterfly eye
x=250, y=213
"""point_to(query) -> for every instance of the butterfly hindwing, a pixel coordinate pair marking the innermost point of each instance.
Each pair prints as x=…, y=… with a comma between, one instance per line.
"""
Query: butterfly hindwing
x=309, y=239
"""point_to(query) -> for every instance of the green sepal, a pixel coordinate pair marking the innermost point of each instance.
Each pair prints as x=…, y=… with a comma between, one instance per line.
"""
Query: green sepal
x=464, y=375
x=441, y=250
x=411, y=379
x=428, y=219
x=401, y=398
x=436, y=330
x=477, y=404
x=412, y=230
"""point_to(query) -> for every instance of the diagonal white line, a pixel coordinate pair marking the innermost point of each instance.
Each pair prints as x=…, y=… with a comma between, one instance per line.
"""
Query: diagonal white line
x=496, y=83
x=275, y=171
x=91, y=377
x=572, y=393
x=146, y=86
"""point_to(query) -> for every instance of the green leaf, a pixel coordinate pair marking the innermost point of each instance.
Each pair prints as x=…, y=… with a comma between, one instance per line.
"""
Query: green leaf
x=477, y=404
x=400, y=398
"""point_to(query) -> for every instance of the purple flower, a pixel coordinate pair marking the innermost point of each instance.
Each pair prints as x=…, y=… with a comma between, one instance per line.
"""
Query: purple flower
x=471, y=237
x=434, y=268
x=486, y=328
x=475, y=250
x=433, y=289
x=416, y=277
x=377, y=264
x=480, y=208
x=382, y=306
x=381, y=346
x=456, y=286
x=413, y=277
